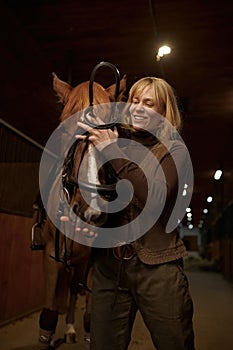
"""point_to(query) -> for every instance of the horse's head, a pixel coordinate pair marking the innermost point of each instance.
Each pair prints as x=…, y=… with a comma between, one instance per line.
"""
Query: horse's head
x=76, y=99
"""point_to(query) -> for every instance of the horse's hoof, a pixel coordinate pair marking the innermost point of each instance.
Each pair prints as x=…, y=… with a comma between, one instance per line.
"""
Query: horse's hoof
x=87, y=338
x=45, y=341
x=70, y=338
x=43, y=346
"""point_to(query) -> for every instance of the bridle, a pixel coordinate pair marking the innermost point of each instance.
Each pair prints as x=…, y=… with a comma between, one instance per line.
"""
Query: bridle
x=108, y=190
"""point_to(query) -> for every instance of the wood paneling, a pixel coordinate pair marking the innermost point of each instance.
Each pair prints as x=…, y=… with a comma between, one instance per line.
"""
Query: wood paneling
x=21, y=270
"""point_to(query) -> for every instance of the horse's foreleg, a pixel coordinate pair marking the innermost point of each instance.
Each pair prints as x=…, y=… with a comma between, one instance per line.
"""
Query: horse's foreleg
x=70, y=334
x=75, y=288
x=87, y=314
x=48, y=323
x=87, y=318
x=49, y=314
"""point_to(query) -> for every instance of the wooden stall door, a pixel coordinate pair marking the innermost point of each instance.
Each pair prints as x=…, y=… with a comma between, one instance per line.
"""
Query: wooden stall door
x=21, y=269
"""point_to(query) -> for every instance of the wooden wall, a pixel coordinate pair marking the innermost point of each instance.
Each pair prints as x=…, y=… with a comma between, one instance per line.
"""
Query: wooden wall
x=21, y=269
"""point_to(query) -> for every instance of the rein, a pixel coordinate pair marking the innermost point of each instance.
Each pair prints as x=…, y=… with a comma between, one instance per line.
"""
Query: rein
x=67, y=191
x=89, y=110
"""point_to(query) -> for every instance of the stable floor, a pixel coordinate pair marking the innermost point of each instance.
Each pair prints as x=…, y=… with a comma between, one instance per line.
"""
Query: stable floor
x=213, y=320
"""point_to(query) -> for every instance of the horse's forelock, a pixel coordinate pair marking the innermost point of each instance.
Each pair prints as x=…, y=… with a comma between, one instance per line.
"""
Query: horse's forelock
x=78, y=98
x=100, y=94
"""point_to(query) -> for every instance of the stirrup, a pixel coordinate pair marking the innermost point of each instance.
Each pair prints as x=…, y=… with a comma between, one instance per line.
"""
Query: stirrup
x=37, y=240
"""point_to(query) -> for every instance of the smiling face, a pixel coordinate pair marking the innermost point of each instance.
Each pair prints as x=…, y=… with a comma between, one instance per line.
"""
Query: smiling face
x=144, y=111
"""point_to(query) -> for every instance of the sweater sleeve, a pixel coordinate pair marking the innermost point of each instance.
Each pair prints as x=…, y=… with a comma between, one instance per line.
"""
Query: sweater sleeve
x=156, y=179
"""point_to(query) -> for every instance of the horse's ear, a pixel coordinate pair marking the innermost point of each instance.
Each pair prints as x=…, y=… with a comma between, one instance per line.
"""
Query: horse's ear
x=111, y=90
x=61, y=88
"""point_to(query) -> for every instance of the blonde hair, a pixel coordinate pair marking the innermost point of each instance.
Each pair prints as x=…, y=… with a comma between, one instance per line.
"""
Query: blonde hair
x=164, y=97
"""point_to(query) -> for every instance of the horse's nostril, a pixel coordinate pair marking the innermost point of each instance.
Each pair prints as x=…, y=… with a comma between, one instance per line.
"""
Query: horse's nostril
x=76, y=208
x=98, y=220
x=92, y=214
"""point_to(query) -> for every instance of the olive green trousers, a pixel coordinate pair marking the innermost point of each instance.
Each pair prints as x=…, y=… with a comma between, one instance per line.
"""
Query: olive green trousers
x=159, y=292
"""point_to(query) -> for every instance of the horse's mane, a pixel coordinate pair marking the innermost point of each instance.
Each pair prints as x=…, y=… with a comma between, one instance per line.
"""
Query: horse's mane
x=78, y=99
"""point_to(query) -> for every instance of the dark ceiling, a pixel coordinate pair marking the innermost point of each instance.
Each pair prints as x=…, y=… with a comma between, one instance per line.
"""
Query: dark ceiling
x=70, y=37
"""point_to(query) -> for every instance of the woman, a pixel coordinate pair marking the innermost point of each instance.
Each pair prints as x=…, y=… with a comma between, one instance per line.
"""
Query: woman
x=146, y=273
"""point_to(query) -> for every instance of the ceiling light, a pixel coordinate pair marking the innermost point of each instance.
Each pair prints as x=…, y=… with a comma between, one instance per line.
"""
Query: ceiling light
x=189, y=215
x=163, y=50
x=218, y=174
x=205, y=211
x=188, y=210
x=190, y=226
x=209, y=199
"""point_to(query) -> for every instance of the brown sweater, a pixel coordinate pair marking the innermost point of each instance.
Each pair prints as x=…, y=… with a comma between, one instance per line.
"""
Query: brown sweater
x=155, y=178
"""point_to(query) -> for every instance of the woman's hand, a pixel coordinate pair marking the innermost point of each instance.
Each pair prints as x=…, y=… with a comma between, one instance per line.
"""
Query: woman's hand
x=84, y=231
x=99, y=137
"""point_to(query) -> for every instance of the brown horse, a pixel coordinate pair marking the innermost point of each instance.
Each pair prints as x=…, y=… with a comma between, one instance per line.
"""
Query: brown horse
x=66, y=275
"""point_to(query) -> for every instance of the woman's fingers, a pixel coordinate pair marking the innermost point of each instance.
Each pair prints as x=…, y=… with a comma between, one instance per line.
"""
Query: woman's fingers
x=84, y=126
x=115, y=132
x=81, y=137
x=99, y=137
x=86, y=232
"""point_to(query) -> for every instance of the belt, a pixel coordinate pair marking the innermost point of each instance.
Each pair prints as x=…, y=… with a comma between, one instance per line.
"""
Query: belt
x=123, y=252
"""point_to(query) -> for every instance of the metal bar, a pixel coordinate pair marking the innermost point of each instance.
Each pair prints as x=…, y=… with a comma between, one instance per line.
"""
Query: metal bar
x=27, y=138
